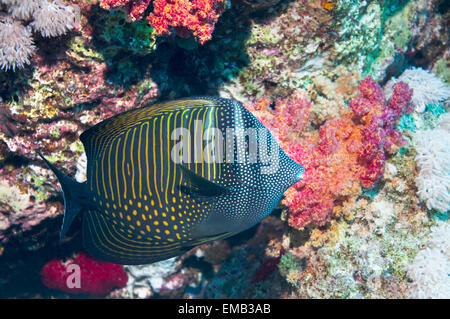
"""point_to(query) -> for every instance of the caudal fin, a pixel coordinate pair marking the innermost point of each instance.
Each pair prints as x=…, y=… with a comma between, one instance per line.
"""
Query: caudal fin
x=74, y=194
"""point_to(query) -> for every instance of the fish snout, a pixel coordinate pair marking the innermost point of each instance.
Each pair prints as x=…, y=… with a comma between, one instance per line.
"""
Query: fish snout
x=300, y=172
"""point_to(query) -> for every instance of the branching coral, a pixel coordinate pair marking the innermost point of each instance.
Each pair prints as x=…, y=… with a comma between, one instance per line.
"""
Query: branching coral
x=347, y=153
x=288, y=117
x=196, y=17
x=19, y=18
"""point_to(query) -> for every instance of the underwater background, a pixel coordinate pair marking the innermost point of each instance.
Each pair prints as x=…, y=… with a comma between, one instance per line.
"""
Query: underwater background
x=356, y=91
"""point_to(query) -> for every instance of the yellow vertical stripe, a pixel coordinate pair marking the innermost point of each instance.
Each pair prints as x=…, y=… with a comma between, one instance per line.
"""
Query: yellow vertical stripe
x=109, y=171
x=96, y=178
x=209, y=150
x=161, y=151
x=203, y=127
x=103, y=174
x=196, y=146
x=117, y=172
x=174, y=166
x=154, y=164
x=132, y=163
x=190, y=140
x=167, y=154
x=147, y=172
x=216, y=118
x=123, y=166
x=139, y=161
x=91, y=175
x=96, y=143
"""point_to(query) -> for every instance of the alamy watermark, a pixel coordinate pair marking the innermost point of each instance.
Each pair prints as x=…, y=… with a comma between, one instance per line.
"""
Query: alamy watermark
x=241, y=145
x=74, y=279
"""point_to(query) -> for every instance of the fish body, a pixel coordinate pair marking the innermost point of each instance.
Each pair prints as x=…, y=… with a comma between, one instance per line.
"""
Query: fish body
x=165, y=178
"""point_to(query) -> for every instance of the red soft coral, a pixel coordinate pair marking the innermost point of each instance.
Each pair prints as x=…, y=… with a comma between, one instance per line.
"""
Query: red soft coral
x=196, y=17
x=344, y=155
x=97, y=278
x=187, y=16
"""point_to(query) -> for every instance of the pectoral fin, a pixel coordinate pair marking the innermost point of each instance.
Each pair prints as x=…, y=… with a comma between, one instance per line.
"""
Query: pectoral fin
x=200, y=187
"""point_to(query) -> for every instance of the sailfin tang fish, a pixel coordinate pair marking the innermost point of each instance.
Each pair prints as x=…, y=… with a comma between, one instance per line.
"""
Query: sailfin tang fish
x=168, y=177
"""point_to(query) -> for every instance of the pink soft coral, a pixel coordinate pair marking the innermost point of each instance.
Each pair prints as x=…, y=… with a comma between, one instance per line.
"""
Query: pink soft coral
x=97, y=278
x=187, y=16
x=345, y=153
x=196, y=17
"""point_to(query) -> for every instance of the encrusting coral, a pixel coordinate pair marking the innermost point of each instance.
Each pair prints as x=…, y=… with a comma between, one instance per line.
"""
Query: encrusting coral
x=19, y=19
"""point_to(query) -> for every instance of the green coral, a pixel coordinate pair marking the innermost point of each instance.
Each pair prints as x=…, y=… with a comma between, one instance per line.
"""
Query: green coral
x=406, y=122
x=77, y=147
x=360, y=31
x=288, y=263
x=138, y=37
x=397, y=17
x=398, y=250
x=371, y=36
x=422, y=121
x=434, y=111
x=80, y=51
x=442, y=69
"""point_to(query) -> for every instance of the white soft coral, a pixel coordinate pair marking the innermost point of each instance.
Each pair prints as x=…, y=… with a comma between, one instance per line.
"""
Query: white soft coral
x=430, y=270
x=16, y=44
x=433, y=161
x=48, y=17
x=54, y=18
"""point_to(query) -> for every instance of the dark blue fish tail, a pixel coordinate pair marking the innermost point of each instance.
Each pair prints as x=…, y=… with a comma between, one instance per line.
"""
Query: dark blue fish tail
x=75, y=197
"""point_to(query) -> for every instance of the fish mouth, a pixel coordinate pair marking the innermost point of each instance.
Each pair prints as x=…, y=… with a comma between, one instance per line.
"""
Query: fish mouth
x=299, y=175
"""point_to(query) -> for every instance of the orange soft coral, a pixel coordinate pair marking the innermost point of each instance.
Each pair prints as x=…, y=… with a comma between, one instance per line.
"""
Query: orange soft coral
x=187, y=16
x=196, y=17
x=344, y=155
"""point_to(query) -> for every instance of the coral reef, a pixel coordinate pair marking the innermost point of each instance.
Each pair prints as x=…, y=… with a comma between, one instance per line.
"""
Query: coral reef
x=19, y=18
x=96, y=277
x=153, y=275
x=368, y=220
